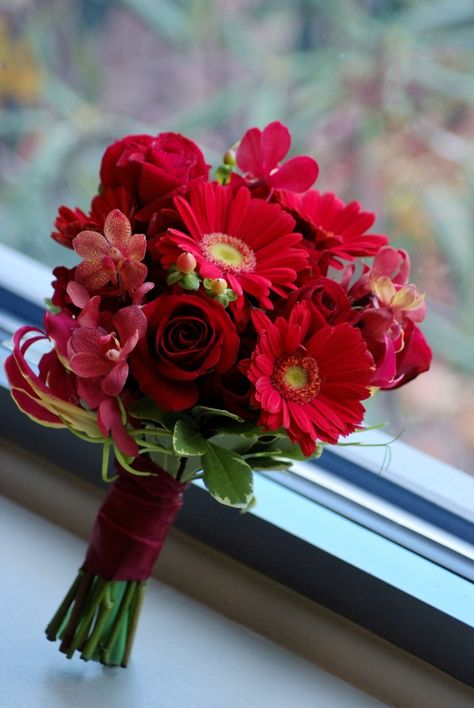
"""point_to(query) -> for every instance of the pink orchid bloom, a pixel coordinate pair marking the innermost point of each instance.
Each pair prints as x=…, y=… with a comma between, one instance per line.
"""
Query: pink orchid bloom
x=47, y=397
x=114, y=257
x=109, y=418
x=259, y=155
x=403, y=301
x=95, y=353
x=111, y=423
x=388, y=281
x=51, y=396
x=60, y=327
x=392, y=262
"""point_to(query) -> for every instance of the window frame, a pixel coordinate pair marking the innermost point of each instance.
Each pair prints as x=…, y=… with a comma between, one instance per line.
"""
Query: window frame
x=435, y=630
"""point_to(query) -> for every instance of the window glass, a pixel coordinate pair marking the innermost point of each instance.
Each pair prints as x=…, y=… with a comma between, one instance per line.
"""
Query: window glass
x=379, y=91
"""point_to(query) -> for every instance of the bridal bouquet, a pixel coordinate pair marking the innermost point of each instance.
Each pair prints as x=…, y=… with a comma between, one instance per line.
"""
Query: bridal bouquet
x=213, y=326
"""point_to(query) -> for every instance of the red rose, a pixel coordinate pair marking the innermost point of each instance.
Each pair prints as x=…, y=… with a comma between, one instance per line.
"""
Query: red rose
x=187, y=337
x=327, y=296
x=153, y=167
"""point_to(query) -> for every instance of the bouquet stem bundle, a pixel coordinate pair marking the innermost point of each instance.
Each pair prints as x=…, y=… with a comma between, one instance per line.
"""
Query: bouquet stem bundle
x=98, y=618
x=99, y=615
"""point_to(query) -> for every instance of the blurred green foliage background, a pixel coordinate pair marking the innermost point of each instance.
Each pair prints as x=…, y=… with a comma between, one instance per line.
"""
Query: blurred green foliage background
x=381, y=92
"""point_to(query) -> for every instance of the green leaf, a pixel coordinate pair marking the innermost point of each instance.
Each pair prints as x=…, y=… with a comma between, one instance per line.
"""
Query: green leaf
x=205, y=410
x=265, y=453
x=146, y=409
x=190, y=281
x=268, y=464
x=232, y=441
x=227, y=477
x=192, y=468
x=251, y=505
x=173, y=277
x=170, y=463
x=187, y=440
x=54, y=309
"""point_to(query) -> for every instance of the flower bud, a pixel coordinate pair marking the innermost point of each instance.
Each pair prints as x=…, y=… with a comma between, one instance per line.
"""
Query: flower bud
x=186, y=263
x=229, y=157
x=218, y=286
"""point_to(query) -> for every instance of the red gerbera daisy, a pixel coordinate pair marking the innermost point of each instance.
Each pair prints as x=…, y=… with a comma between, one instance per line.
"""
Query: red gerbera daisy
x=246, y=241
x=310, y=379
x=334, y=230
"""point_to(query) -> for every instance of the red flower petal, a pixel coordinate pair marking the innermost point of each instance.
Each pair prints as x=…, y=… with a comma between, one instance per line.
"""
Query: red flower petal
x=297, y=174
x=275, y=142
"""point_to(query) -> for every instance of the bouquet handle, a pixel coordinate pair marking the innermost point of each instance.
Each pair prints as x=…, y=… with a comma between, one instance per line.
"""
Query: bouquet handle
x=99, y=614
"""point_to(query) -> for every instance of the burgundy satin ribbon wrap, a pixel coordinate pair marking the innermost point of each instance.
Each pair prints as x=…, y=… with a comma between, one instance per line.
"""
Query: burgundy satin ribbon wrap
x=132, y=524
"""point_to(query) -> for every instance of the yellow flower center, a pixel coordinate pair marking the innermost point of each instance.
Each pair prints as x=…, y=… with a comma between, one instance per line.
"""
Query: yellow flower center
x=229, y=252
x=297, y=377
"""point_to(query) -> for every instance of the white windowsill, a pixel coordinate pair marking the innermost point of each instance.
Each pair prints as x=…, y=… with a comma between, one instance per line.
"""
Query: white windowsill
x=187, y=654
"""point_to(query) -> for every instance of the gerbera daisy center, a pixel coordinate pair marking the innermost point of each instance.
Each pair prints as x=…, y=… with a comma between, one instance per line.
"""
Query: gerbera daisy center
x=228, y=251
x=327, y=238
x=297, y=378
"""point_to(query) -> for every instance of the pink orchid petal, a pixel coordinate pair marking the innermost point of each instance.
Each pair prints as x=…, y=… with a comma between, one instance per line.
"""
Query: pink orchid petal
x=132, y=274
x=92, y=275
x=87, y=339
x=90, y=245
x=130, y=345
x=110, y=421
x=117, y=230
x=58, y=378
x=88, y=365
x=89, y=390
x=59, y=329
x=140, y=292
x=418, y=314
x=137, y=247
x=89, y=317
x=385, y=373
x=129, y=321
x=78, y=294
x=395, y=263
x=114, y=382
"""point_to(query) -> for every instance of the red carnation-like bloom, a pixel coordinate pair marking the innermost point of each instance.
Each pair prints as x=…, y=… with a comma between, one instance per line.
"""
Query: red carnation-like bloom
x=70, y=222
x=246, y=241
x=310, y=379
x=333, y=230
